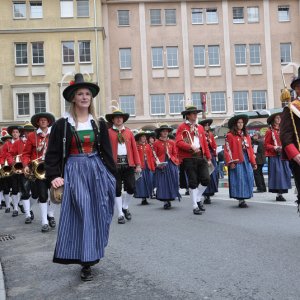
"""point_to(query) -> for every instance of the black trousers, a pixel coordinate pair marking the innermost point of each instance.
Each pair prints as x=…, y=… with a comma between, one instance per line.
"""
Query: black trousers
x=7, y=185
x=296, y=172
x=125, y=175
x=197, y=171
x=259, y=179
x=42, y=187
x=28, y=188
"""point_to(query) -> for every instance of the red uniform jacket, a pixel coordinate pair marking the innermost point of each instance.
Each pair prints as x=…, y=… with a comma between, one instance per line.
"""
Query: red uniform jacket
x=184, y=148
x=30, y=151
x=16, y=149
x=132, y=153
x=145, y=150
x=233, y=149
x=212, y=145
x=4, y=153
x=269, y=142
x=162, y=147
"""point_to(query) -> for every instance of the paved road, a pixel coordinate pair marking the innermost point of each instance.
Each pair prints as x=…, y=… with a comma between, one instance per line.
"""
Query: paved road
x=227, y=253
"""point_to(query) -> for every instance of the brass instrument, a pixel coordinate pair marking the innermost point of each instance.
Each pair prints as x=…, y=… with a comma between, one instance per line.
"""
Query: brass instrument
x=18, y=166
x=188, y=139
x=38, y=169
x=6, y=169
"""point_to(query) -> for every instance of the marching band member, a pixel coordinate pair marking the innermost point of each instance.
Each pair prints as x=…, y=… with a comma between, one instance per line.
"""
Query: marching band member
x=144, y=185
x=212, y=188
x=166, y=173
x=151, y=139
x=34, y=152
x=127, y=159
x=79, y=157
x=194, y=154
x=2, y=202
x=240, y=159
x=279, y=179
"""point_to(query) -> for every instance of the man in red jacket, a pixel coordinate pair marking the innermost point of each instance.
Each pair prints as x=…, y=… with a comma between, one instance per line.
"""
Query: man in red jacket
x=127, y=159
x=194, y=154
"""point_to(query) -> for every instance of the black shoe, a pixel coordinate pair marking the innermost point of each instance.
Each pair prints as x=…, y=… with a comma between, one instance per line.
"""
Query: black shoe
x=7, y=210
x=258, y=191
x=0, y=206
x=207, y=200
x=28, y=220
x=86, y=273
x=167, y=205
x=127, y=214
x=197, y=211
x=121, y=220
x=200, y=206
x=243, y=204
x=31, y=215
x=144, y=202
x=187, y=193
x=3, y=203
x=21, y=208
x=45, y=228
x=15, y=213
x=51, y=221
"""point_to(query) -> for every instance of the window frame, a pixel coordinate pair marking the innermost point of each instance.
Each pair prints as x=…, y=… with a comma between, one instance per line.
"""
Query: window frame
x=179, y=101
x=167, y=23
x=66, y=16
x=34, y=102
x=162, y=58
x=13, y=9
x=211, y=102
x=150, y=17
x=163, y=106
x=265, y=99
x=18, y=106
x=279, y=15
x=43, y=56
x=167, y=57
x=118, y=17
x=201, y=11
x=63, y=56
x=290, y=50
x=235, y=18
x=209, y=59
x=235, y=104
x=197, y=99
x=120, y=62
x=90, y=52
x=245, y=54
x=250, y=57
x=204, y=56
x=87, y=2
x=30, y=8
x=124, y=109
x=248, y=14
x=21, y=64
x=208, y=19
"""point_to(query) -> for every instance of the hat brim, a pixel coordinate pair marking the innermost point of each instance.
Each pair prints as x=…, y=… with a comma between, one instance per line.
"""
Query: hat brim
x=13, y=127
x=295, y=82
x=186, y=112
x=272, y=117
x=138, y=135
x=6, y=137
x=69, y=90
x=234, y=119
x=35, y=118
x=158, y=130
x=206, y=121
x=109, y=117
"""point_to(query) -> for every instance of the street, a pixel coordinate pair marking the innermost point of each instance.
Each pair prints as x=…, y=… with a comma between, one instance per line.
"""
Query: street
x=227, y=253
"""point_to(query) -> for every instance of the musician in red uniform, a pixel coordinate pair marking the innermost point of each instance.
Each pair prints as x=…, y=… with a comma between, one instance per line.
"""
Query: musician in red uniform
x=24, y=186
x=193, y=153
x=35, y=149
x=127, y=159
x=2, y=202
x=279, y=179
x=144, y=185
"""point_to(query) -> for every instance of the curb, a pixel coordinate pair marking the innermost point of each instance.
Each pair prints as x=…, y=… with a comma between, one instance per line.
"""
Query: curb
x=2, y=286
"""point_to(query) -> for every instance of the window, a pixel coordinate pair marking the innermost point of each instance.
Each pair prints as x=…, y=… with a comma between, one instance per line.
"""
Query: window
x=123, y=17
x=19, y=10
x=66, y=8
x=176, y=103
x=240, y=54
x=127, y=104
x=285, y=53
x=211, y=16
x=170, y=16
x=84, y=51
x=172, y=57
x=259, y=100
x=213, y=56
x=37, y=53
x=238, y=14
x=158, y=105
x=157, y=57
x=283, y=13
x=218, y=103
x=125, y=58
x=197, y=16
x=68, y=52
x=39, y=102
x=240, y=100
x=199, y=56
x=197, y=101
x=254, y=54
x=36, y=10
x=155, y=17
x=253, y=15
x=23, y=104
x=21, y=54
x=83, y=8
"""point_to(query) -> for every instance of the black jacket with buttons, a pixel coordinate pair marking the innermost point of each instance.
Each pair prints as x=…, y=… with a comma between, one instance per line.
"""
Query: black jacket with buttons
x=54, y=154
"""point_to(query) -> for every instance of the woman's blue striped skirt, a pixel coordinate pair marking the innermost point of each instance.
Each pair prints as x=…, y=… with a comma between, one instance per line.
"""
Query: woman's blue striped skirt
x=167, y=182
x=279, y=172
x=241, y=180
x=212, y=188
x=144, y=185
x=86, y=211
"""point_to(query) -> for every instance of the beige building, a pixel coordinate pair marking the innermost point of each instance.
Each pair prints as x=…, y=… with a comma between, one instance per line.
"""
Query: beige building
x=229, y=53
x=42, y=43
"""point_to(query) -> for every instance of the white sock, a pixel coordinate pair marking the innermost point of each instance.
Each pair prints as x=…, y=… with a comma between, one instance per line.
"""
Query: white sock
x=15, y=201
x=33, y=201
x=126, y=200
x=43, y=207
x=7, y=200
x=201, y=189
x=118, y=202
x=51, y=208
x=194, y=195
x=26, y=204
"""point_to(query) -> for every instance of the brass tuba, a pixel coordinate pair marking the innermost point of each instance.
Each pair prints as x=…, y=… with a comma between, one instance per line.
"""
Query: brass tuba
x=38, y=169
x=188, y=138
x=17, y=166
x=6, y=169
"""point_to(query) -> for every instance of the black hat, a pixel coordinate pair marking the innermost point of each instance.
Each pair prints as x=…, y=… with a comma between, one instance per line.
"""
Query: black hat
x=35, y=118
x=141, y=133
x=270, y=119
x=13, y=127
x=191, y=109
x=296, y=80
x=79, y=83
x=163, y=127
x=206, y=121
x=109, y=117
x=233, y=120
